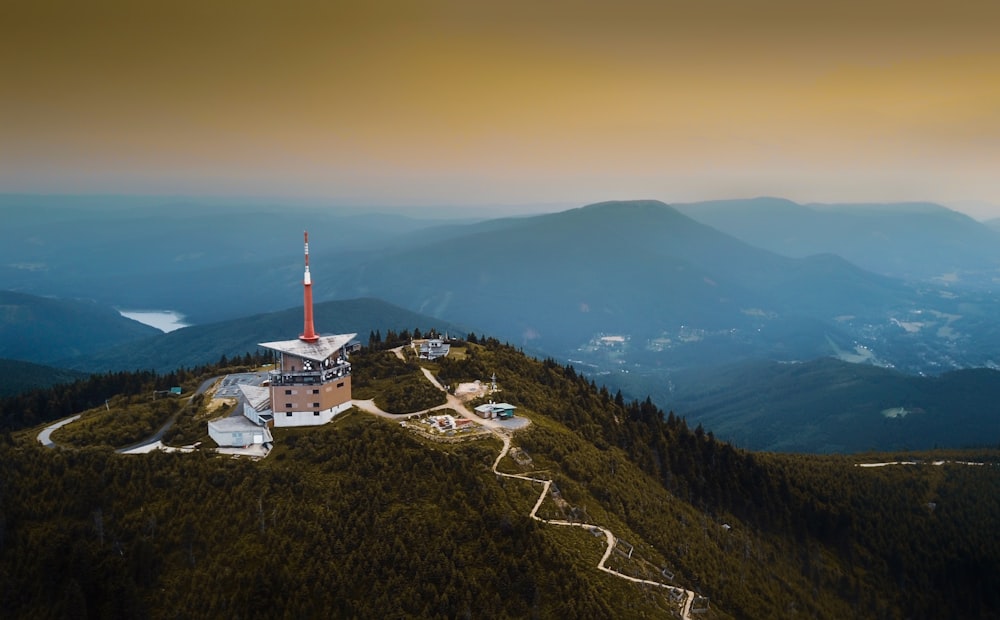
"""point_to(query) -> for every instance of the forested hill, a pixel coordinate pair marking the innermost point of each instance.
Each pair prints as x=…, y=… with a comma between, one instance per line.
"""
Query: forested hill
x=361, y=518
x=204, y=344
x=18, y=376
x=831, y=406
x=43, y=330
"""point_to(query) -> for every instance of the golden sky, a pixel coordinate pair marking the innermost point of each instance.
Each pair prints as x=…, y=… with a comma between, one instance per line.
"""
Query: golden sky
x=479, y=102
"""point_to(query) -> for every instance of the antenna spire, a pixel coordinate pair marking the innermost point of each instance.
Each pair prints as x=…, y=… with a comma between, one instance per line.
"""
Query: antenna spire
x=308, y=332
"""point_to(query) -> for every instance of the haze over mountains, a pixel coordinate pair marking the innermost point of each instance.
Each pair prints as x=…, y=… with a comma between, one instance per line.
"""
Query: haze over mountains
x=200, y=344
x=633, y=293
x=912, y=241
x=209, y=261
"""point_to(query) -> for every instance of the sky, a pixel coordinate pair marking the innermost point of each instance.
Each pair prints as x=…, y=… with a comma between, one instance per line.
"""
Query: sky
x=475, y=102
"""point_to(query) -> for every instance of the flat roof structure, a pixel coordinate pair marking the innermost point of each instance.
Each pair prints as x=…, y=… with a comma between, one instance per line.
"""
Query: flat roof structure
x=496, y=407
x=229, y=387
x=258, y=397
x=317, y=351
x=235, y=423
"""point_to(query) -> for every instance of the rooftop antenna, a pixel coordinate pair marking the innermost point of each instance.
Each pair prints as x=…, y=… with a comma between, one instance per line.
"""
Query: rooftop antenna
x=309, y=332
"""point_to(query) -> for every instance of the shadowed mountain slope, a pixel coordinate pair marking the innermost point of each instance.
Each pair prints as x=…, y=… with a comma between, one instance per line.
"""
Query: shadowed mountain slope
x=364, y=518
x=19, y=376
x=827, y=405
x=639, y=268
x=44, y=330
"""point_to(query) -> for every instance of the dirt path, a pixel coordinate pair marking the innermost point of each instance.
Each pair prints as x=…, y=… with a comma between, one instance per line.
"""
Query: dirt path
x=608, y=534
x=504, y=436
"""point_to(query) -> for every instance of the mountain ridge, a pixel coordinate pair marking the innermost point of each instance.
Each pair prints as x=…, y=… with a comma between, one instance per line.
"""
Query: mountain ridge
x=201, y=344
x=44, y=330
x=920, y=241
x=373, y=521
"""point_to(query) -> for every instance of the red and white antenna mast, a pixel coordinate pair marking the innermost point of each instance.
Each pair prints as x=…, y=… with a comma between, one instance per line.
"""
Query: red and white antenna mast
x=309, y=332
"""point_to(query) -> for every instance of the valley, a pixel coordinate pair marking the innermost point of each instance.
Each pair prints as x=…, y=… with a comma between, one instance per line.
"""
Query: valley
x=663, y=311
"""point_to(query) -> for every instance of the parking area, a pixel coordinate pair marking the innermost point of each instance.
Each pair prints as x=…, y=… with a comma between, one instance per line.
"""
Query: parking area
x=229, y=385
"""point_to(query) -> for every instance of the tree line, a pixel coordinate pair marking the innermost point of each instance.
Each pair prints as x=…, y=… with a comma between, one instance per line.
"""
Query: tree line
x=44, y=405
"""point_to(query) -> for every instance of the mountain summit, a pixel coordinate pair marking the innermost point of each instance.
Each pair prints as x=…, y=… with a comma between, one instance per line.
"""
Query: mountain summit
x=639, y=268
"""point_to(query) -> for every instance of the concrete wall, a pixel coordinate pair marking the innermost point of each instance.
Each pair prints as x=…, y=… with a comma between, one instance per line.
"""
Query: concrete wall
x=284, y=419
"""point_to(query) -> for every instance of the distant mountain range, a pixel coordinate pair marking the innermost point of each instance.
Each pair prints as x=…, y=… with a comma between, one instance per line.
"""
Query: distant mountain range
x=201, y=344
x=632, y=293
x=210, y=262
x=911, y=241
x=671, y=292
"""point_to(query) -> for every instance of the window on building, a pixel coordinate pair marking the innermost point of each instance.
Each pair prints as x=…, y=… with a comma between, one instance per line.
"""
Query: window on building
x=316, y=405
x=315, y=391
x=316, y=413
x=287, y=392
x=288, y=414
x=341, y=384
x=288, y=405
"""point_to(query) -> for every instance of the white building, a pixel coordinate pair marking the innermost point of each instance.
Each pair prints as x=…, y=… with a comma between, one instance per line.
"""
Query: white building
x=433, y=349
x=238, y=432
x=256, y=403
x=490, y=411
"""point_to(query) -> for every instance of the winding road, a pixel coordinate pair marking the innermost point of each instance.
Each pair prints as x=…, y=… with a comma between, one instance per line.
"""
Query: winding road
x=150, y=443
x=45, y=437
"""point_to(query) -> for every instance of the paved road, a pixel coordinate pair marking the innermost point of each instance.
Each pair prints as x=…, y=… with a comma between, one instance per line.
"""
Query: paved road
x=45, y=437
x=150, y=442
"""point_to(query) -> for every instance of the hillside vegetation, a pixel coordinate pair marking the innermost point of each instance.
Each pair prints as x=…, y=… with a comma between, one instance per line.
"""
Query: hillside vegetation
x=831, y=406
x=360, y=518
x=18, y=376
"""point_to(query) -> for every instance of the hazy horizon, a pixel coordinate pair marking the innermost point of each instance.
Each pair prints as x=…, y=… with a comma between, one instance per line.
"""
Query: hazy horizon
x=96, y=202
x=458, y=104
